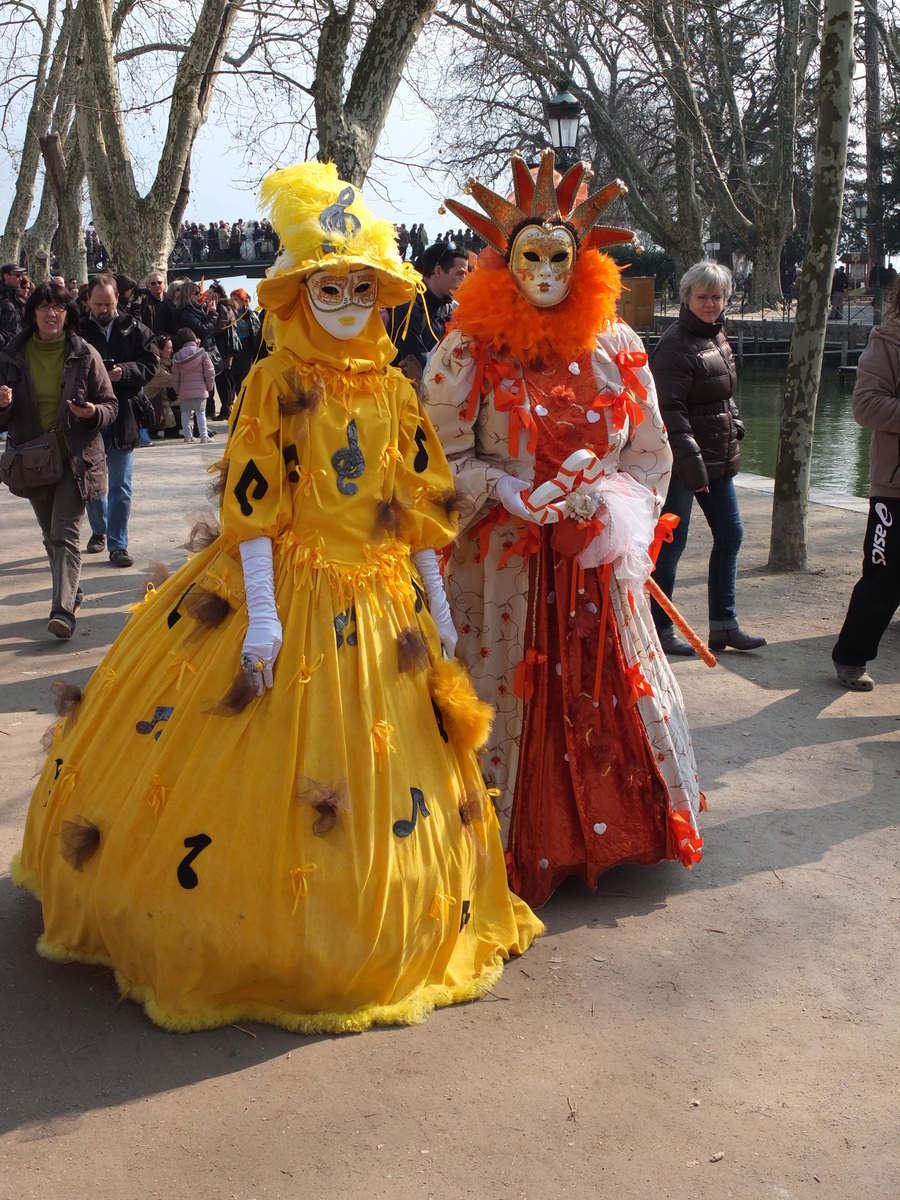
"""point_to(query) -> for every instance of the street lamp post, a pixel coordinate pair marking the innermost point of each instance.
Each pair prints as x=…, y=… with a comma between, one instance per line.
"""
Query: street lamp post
x=875, y=244
x=563, y=114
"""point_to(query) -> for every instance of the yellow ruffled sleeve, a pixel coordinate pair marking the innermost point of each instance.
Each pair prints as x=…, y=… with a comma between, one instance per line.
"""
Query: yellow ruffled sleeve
x=256, y=500
x=423, y=482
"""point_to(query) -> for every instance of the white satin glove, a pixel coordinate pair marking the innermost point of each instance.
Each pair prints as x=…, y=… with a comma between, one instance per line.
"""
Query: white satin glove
x=508, y=491
x=427, y=563
x=263, y=639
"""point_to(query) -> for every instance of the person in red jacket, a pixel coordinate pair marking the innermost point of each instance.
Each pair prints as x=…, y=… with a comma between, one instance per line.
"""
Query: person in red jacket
x=695, y=377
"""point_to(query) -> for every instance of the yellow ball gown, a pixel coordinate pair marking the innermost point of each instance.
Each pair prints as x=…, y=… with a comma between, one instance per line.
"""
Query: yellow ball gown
x=325, y=857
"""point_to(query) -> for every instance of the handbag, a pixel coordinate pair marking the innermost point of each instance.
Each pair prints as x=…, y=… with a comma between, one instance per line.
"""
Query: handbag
x=144, y=412
x=33, y=464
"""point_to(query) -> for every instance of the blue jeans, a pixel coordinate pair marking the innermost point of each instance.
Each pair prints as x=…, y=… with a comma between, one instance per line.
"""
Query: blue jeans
x=720, y=508
x=110, y=515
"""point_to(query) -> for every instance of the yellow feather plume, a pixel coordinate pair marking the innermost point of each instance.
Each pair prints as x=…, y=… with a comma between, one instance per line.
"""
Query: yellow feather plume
x=467, y=719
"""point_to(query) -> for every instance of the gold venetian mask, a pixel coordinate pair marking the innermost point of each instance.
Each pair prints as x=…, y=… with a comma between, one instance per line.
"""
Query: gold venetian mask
x=342, y=304
x=542, y=261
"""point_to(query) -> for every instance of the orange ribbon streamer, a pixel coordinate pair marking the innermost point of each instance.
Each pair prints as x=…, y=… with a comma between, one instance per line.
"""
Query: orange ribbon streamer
x=529, y=540
x=688, y=842
x=482, y=529
x=664, y=532
x=519, y=419
x=637, y=684
x=523, y=684
x=626, y=361
x=605, y=578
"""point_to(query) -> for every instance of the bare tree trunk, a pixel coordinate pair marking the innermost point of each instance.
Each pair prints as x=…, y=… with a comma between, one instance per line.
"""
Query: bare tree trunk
x=790, y=509
x=136, y=231
x=65, y=178
x=874, y=162
x=348, y=130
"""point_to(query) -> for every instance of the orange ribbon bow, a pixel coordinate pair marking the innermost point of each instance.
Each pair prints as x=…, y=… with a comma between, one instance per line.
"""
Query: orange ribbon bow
x=664, y=532
x=482, y=529
x=527, y=544
x=626, y=361
x=637, y=684
x=688, y=842
x=623, y=408
x=523, y=684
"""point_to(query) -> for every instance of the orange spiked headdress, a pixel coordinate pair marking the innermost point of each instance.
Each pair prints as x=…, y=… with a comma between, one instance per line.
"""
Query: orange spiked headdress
x=540, y=201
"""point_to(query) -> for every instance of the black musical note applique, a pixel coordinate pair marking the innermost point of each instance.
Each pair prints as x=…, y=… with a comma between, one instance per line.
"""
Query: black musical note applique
x=341, y=621
x=404, y=828
x=187, y=876
x=349, y=463
x=439, y=717
x=175, y=616
x=421, y=460
x=420, y=595
x=292, y=463
x=336, y=219
x=252, y=476
x=465, y=915
x=162, y=713
x=59, y=763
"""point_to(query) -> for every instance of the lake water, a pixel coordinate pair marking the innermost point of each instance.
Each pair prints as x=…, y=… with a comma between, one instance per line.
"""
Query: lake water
x=840, y=459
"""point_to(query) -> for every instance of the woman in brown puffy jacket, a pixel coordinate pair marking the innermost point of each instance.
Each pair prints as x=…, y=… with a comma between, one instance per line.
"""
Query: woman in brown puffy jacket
x=876, y=406
x=52, y=381
x=695, y=380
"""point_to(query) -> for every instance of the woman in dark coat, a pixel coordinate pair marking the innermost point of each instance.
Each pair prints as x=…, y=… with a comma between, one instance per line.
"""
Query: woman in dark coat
x=52, y=380
x=695, y=379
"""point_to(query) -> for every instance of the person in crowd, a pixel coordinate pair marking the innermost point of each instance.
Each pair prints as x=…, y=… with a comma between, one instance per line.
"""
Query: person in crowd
x=228, y=344
x=12, y=305
x=695, y=376
x=543, y=403
x=25, y=288
x=159, y=390
x=417, y=332
x=200, y=313
x=129, y=301
x=249, y=329
x=302, y=812
x=127, y=350
x=222, y=234
x=876, y=596
x=152, y=299
x=52, y=381
x=193, y=379
x=167, y=319
x=839, y=284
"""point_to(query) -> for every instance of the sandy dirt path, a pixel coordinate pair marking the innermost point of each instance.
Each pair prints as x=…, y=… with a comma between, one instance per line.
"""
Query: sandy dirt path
x=729, y=1032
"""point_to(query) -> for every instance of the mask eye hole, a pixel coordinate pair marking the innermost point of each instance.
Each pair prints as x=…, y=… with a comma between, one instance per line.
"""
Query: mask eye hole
x=561, y=257
x=531, y=256
x=363, y=288
x=331, y=289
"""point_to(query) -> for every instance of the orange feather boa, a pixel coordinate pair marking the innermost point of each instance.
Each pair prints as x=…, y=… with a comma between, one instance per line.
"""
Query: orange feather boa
x=494, y=312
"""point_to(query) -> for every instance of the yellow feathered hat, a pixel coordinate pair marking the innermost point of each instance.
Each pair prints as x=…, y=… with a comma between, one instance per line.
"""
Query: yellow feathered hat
x=324, y=225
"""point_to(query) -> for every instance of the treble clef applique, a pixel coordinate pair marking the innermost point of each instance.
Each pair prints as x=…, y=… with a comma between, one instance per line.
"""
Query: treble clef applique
x=349, y=463
x=336, y=219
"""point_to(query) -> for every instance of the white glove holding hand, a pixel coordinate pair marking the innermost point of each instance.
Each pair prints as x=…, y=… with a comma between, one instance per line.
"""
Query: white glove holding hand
x=263, y=639
x=508, y=491
x=427, y=563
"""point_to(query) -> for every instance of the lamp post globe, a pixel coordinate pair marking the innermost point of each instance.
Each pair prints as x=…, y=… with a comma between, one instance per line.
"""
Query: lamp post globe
x=860, y=208
x=563, y=114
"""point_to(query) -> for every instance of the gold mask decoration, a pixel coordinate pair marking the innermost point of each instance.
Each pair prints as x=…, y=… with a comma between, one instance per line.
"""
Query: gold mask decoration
x=342, y=304
x=542, y=262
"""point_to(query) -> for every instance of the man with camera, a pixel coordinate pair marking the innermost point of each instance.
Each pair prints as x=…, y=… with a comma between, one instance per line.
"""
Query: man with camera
x=126, y=347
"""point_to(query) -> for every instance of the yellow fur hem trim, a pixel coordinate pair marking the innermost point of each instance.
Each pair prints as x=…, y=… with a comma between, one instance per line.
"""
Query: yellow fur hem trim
x=409, y=1012
x=62, y=954
x=24, y=878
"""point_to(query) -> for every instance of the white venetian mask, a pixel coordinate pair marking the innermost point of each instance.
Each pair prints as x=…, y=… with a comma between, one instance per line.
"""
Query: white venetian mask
x=342, y=304
x=542, y=261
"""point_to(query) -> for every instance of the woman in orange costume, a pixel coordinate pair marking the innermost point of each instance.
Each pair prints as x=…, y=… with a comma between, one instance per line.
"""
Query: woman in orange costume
x=544, y=405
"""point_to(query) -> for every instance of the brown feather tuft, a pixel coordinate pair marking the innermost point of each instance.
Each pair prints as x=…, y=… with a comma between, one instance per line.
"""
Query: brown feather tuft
x=207, y=609
x=471, y=806
x=385, y=519
x=454, y=500
x=79, y=841
x=47, y=737
x=204, y=532
x=219, y=473
x=329, y=800
x=235, y=700
x=412, y=653
x=67, y=696
x=302, y=400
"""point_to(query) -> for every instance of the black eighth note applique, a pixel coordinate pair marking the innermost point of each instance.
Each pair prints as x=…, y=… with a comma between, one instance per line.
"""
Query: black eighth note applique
x=404, y=828
x=187, y=876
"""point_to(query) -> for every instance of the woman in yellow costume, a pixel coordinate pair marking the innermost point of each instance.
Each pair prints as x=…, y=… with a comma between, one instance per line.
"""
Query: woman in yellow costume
x=544, y=405
x=266, y=804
